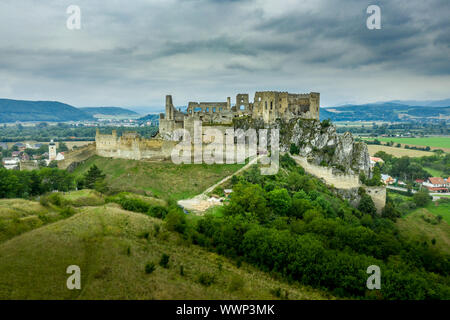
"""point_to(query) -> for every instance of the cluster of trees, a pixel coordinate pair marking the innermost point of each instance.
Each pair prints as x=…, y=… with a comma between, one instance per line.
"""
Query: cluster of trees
x=291, y=224
x=62, y=131
x=25, y=184
x=405, y=168
x=412, y=128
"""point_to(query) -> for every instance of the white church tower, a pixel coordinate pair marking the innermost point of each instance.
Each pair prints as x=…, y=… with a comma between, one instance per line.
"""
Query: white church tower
x=51, y=151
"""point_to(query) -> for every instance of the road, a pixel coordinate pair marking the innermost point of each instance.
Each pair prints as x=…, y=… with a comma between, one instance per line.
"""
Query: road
x=436, y=195
x=202, y=202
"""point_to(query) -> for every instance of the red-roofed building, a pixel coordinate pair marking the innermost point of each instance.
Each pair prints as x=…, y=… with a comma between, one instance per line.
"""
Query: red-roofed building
x=436, y=184
x=374, y=160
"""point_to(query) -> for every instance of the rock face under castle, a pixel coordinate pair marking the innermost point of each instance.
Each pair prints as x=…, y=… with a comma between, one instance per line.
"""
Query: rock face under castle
x=267, y=106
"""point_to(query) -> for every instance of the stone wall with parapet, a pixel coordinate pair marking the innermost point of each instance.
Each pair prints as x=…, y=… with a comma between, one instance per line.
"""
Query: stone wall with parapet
x=77, y=155
x=132, y=146
x=347, y=184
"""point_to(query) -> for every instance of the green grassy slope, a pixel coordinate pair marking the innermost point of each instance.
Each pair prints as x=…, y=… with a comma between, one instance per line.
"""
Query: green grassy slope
x=161, y=179
x=422, y=225
x=18, y=216
x=112, y=247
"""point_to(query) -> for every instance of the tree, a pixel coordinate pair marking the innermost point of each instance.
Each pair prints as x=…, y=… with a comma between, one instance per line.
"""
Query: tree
x=294, y=149
x=279, y=201
x=422, y=197
x=248, y=198
x=390, y=212
x=366, y=205
x=376, y=177
x=176, y=221
x=92, y=176
x=62, y=147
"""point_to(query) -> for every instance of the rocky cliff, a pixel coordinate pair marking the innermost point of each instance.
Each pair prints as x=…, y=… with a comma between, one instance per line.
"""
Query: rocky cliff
x=319, y=143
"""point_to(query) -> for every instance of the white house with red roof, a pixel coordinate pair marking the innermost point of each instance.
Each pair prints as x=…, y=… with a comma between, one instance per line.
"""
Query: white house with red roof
x=436, y=184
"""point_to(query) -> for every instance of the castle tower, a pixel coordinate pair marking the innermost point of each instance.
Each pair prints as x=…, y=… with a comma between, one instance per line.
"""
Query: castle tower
x=51, y=150
x=169, y=108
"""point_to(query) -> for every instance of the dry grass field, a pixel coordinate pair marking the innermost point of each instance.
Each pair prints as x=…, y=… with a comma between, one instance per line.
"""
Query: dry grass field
x=398, y=152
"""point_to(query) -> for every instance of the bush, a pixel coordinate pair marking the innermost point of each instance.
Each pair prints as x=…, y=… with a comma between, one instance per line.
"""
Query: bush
x=422, y=198
x=294, y=149
x=157, y=212
x=206, y=279
x=236, y=283
x=67, y=212
x=176, y=221
x=366, y=205
x=149, y=268
x=164, y=262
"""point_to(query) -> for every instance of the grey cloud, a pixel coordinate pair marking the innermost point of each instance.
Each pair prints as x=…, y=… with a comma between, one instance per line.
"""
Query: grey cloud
x=135, y=53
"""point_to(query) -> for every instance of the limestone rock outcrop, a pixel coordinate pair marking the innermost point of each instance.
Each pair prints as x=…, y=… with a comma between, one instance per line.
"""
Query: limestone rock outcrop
x=321, y=145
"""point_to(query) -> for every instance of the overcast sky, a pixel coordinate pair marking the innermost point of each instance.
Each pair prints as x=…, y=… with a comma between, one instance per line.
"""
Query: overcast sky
x=133, y=53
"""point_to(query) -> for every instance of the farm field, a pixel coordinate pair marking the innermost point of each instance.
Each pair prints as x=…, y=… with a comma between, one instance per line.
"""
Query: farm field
x=112, y=247
x=434, y=172
x=433, y=142
x=397, y=152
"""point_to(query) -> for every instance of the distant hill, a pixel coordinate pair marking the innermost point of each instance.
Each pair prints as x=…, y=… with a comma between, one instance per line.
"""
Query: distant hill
x=149, y=117
x=386, y=111
x=20, y=110
x=427, y=103
x=109, y=111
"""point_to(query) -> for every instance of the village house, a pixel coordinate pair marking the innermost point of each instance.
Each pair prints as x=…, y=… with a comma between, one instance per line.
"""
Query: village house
x=387, y=179
x=375, y=160
x=436, y=184
x=11, y=163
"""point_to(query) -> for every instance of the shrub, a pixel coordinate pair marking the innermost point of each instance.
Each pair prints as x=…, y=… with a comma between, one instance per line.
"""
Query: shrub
x=149, y=268
x=421, y=198
x=366, y=205
x=157, y=212
x=206, y=279
x=164, y=262
x=67, y=212
x=294, y=149
x=236, y=283
x=176, y=221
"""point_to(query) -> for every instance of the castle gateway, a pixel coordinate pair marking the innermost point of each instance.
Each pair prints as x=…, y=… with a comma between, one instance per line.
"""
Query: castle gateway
x=267, y=106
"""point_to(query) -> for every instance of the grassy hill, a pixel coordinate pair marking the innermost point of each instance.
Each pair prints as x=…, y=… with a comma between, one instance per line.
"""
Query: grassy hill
x=161, y=179
x=422, y=225
x=108, y=111
x=20, y=110
x=112, y=248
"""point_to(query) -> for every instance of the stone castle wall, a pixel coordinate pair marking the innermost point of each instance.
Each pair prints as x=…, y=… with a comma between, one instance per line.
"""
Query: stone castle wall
x=347, y=184
x=77, y=155
x=132, y=146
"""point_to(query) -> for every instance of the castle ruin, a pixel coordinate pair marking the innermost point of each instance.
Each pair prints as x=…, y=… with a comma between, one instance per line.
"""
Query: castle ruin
x=267, y=106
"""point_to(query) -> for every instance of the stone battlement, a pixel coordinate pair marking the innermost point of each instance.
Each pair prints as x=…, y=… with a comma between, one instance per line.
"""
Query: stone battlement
x=132, y=146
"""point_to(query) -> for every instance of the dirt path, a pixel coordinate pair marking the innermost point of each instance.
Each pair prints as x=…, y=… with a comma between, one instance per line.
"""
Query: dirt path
x=200, y=203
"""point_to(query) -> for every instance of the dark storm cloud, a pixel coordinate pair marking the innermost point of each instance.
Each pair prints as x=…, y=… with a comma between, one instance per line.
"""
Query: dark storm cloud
x=134, y=53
